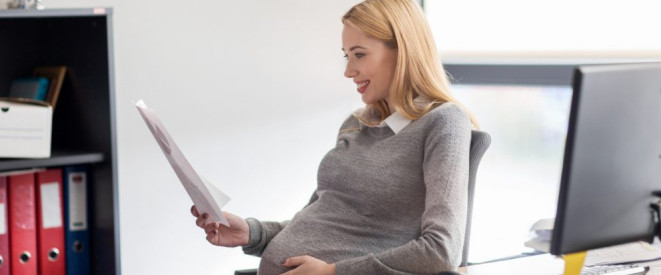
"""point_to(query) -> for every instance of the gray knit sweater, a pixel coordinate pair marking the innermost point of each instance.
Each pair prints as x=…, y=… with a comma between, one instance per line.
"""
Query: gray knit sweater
x=385, y=203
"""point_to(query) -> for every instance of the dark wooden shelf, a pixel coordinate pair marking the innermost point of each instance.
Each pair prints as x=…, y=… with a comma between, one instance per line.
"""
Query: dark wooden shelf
x=84, y=128
x=56, y=159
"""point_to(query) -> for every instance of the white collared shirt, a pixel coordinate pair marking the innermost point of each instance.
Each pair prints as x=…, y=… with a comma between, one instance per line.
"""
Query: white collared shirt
x=396, y=121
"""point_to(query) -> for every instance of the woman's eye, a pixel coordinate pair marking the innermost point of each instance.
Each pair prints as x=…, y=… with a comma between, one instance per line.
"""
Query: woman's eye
x=356, y=55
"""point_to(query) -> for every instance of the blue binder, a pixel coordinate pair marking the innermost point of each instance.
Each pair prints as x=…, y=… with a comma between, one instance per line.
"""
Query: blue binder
x=76, y=183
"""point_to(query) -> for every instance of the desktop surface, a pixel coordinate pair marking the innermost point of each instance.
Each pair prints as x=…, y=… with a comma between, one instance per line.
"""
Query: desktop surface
x=543, y=264
x=547, y=264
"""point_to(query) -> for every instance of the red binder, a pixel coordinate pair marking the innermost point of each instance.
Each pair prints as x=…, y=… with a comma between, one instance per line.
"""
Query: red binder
x=50, y=222
x=4, y=230
x=22, y=225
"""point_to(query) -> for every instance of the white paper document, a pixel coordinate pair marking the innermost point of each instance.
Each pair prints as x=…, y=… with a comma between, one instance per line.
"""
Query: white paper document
x=206, y=197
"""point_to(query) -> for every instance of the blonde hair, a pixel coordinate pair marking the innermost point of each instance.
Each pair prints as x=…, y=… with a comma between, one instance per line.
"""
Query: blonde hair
x=401, y=25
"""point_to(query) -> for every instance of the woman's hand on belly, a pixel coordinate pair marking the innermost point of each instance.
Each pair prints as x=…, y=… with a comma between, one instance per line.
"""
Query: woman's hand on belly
x=308, y=265
x=237, y=234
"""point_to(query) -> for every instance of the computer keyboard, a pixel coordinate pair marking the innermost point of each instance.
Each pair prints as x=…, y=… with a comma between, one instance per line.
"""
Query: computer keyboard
x=625, y=269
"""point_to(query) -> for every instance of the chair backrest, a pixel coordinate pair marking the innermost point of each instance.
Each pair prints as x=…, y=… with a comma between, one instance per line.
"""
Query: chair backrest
x=480, y=142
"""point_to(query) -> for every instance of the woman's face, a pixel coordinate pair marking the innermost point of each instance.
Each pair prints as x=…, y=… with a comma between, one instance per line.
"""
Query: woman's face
x=370, y=64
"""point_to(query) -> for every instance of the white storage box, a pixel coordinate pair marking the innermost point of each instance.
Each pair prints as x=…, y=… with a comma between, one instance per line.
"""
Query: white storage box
x=25, y=128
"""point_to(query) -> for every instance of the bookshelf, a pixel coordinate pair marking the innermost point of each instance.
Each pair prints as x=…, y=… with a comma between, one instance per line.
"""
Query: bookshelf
x=84, y=128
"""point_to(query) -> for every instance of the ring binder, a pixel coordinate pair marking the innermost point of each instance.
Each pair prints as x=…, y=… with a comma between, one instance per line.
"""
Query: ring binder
x=50, y=222
x=22, y=223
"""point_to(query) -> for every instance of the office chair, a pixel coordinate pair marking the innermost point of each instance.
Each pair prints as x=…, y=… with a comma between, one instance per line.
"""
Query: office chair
x=480, y=142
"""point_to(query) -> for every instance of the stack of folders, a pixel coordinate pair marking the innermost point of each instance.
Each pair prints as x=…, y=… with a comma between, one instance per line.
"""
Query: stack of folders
x=43, y=222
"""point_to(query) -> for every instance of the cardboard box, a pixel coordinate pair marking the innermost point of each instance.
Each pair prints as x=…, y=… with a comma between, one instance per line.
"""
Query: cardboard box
x=25, y=128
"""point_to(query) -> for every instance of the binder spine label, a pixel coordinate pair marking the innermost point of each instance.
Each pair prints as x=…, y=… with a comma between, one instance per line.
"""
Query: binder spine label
x=50, y=205
x=77, y=201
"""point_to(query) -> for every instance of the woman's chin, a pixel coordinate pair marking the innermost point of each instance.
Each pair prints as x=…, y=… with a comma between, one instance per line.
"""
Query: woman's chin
x=367, y=100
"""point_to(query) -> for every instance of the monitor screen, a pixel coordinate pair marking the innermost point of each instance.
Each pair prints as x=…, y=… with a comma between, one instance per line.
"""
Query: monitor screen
x=612, y=159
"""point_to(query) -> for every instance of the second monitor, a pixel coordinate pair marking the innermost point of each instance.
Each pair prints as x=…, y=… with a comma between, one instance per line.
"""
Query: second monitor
x=612, y=160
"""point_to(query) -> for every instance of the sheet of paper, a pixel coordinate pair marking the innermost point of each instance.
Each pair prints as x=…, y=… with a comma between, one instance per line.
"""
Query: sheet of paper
x=206, y=197
x=625, y=253
x=538, y=244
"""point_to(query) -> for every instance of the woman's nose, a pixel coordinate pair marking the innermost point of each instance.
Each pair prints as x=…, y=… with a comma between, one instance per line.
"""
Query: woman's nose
x=349, y=71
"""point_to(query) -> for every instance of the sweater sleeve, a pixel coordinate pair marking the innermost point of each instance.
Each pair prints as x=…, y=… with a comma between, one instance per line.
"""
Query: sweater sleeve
x=261, y=233
x=439, y=246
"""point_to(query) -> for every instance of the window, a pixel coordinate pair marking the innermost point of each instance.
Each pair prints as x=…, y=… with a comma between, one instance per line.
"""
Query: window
x=512, y=62
x=560, y=29
x=518, y=179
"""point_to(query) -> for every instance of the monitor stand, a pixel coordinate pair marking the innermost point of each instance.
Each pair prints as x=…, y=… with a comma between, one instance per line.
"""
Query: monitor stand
x=574, y=262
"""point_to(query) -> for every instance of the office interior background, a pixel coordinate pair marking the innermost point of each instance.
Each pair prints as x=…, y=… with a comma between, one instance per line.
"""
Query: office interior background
x=254, y=93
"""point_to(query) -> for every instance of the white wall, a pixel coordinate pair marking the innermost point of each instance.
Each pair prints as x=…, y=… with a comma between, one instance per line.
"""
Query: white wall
x=252, y=91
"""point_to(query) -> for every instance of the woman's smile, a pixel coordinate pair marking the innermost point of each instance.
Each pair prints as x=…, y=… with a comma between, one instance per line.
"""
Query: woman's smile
x=362, y=86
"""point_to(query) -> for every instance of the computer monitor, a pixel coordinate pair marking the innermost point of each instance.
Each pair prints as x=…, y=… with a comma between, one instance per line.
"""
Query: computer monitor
x=612, y=160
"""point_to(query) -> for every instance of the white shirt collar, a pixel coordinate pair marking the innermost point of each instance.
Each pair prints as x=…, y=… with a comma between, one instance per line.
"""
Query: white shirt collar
x=397, y=121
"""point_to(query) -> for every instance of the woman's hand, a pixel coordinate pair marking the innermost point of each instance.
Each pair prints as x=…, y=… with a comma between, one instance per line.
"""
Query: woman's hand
x=237, y=234
x=308, y=265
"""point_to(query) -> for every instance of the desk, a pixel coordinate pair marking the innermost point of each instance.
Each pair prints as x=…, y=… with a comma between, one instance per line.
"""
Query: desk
x=547, y=264
x=544, y=264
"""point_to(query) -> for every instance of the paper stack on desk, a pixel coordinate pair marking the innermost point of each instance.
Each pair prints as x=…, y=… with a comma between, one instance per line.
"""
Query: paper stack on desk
x=542, y=230
x=206, y=197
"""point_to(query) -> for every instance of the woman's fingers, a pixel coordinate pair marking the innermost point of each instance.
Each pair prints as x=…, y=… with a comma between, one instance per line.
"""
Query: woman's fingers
x=295, y=261
x=193, y=210
x=202, y=220
x=210, y=227
x=211, y=236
